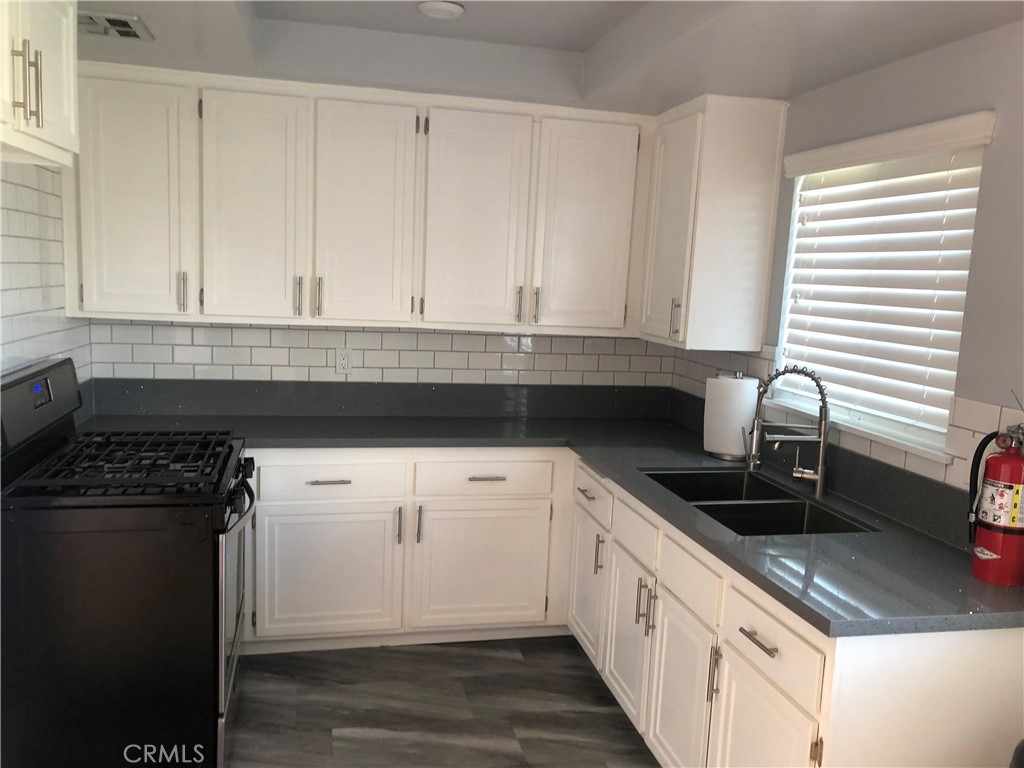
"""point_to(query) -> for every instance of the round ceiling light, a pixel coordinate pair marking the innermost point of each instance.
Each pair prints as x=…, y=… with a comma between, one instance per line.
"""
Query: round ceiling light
x=441, y=9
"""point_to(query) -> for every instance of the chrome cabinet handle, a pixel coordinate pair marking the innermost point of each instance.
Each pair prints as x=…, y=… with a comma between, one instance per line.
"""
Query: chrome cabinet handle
x=649, y=620
x=400, y=525
x=640, y=587
x=716, y=655
x=37, y=113
x=519, y=304
x=487, y=478
x=184, y=291
x=23, y=55
x=536, y=305
x=319, y=296
x=598, y=541
x=751, y=635
x=298, y=296
x=328, y=482
x=419, y=524
x=586, y=494
x=673, y=329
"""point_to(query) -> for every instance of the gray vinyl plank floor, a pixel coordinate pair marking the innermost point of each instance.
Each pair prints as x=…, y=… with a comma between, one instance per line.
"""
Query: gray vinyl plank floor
x=536, y=702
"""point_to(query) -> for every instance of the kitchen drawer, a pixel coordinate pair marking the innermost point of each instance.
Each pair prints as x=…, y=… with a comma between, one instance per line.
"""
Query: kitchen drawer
x=590, y=494
x=483, y=478
x=635, y=534
x=797, y=666
x=697, y=586
x=332, y=481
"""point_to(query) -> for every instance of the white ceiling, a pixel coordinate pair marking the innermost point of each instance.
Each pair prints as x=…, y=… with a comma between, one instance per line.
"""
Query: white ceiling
x=564, y=26
x=628, y=56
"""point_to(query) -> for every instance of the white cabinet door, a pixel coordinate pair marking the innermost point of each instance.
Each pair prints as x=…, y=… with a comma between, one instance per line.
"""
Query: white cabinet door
x=584, y=218
x=47, y=79
x=588, y=583
x=479, y=562
x=325, y=568
x=679, y=712
x=365, y=174
x=627, y=646
x=478, y=183
x=670, y=226
x=752, y=723
x=139, y=197
x=255, y=214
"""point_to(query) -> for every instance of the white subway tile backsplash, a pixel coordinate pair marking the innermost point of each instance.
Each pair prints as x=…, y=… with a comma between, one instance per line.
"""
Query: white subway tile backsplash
x=307, y=357
x=269, y=356
x=415, y=359
x=451, y=359
x=502, y=377
x=328, y=339
x=468, y=377
x=486, y=360
x=613, y=363
x=517, y=362
x=112, y=353
x=572, y=378
x=289, y=373
x=435, y=376
x=400, y=375
x=978, y=417
x=468, y=342
x=398, y=341
x=629, y=379
x=888, y=454
x=549, y=362
x=193, y=355
x=535, y=377
x=440, y=342
x=581, y=362
x=213, y=337
x=502, y=343
x=133, y=371
x=212, y=371
x=926, y=467
x=172, y=334
x=366, y=374
x=151, y=353
x=598, y=378
x=380, y=358
x=252, y=372
x=363, y=340
x=288, y=337
x=567, y=346
x=232, y=355
x=251, y=337
x=173, y=371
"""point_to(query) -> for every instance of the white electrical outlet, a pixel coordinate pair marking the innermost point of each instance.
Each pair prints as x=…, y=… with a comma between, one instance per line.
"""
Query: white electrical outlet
x=343, y=362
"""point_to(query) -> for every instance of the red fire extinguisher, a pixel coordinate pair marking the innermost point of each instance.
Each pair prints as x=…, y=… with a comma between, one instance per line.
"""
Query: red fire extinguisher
x=997, y=513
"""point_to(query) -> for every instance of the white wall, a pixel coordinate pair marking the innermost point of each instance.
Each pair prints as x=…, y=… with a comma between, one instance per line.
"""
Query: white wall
x=982, y=72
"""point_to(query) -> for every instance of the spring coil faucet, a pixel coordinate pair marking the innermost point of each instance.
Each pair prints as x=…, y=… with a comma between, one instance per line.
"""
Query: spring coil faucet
x=821, y=438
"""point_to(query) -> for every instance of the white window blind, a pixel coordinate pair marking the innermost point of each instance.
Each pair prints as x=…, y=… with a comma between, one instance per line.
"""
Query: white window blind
x=878, y=263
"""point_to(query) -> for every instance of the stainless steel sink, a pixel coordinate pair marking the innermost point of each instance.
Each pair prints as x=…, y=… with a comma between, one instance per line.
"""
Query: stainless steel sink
x=696, y=486
x=780, y=518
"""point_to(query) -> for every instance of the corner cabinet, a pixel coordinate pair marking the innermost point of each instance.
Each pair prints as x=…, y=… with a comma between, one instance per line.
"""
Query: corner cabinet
x=711, y=221
x=139, y=177
x=365, y=210
x=478, y=189
x=39, y=102
x=256, y=165
x=584, y=217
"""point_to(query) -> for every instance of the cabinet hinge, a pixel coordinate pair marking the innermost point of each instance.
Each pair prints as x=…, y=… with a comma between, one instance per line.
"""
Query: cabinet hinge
x=417, y=123
x=81, y=292
x=254, y=619
x=200, y=109
x=421, y=306
x=202, y=297
x=817, y=748
x=426, y=126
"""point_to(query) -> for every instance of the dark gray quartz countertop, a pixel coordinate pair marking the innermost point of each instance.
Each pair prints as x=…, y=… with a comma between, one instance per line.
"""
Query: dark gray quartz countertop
x=895, y=580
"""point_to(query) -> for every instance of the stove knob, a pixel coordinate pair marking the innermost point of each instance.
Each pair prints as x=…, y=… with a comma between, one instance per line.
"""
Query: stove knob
x=248, y=467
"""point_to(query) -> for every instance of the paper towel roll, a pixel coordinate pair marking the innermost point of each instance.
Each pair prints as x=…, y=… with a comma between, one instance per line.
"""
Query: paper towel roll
x=728, y=413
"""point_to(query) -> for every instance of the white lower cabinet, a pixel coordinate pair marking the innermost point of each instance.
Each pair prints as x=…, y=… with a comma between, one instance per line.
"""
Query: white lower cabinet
x=329, y=568
x=679, y=706
x=627, y=644
x=479, y=562
x=753, y=723
x=588, y=582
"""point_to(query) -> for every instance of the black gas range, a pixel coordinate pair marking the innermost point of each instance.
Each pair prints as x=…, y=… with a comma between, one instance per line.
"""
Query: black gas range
x=123, y=584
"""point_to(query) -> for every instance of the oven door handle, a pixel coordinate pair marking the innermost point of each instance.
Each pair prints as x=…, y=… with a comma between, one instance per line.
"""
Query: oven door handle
x=243, y=517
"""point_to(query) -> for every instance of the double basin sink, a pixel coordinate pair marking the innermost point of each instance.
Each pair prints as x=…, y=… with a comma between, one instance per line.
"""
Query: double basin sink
x=751, y=505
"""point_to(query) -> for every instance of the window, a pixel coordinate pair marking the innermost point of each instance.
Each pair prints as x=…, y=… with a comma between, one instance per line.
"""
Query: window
x=876, y=282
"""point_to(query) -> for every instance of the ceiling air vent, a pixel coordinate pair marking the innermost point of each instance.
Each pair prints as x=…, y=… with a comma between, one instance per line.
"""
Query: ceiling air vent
x=113, y=25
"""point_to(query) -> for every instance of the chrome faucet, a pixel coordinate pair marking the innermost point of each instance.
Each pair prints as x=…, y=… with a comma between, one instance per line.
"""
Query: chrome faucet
x=821, y=438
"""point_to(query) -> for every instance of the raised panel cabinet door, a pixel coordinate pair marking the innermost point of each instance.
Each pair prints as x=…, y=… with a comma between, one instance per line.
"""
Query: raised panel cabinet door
x=627, y=645
x=584, y=219
x=479, y=562
x=328, y=568
x=679, y=713
x=255, y=197
x=753, y=723
x=365, y=190
x=139, y=197
x=670, y=218
x=588, y=584
x=51, y=29
x=478, y=184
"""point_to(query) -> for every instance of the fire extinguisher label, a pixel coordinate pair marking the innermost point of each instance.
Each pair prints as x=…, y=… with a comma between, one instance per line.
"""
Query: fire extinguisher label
x=1000, y=504
x=983, y=554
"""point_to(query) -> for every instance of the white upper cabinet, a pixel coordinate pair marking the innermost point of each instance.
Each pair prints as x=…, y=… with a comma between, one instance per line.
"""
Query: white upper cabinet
x=39, y=80
x=478, y=185
x=365, y=194
x=584, y=218
x=711, y=221
x=255, y=204
x=139, y=181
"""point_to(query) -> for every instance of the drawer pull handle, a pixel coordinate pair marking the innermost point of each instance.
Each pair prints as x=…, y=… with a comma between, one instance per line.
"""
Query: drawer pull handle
x=640, y=587
x=598, y=541
x=586, y=494
x=487, y=479
x=716, y=656
x=751, y=635
x=328, y=482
